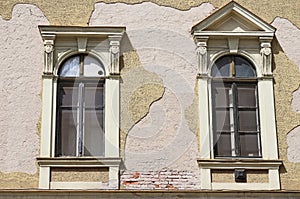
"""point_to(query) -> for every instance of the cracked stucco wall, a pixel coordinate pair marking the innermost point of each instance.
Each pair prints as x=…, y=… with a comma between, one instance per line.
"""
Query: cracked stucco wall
x=158, y=99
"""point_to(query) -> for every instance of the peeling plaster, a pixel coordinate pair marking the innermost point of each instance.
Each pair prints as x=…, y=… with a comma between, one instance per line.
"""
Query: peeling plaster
x=288, y=36
x=296, y=101
x=78, y=12
x=21, y=57
x=293, y=145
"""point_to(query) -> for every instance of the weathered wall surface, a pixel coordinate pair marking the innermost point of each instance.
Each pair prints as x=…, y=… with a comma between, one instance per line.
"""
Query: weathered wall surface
x=21, y=57
x=287, y=80
x=78, y=12
x=162, y=139
x=158, y=101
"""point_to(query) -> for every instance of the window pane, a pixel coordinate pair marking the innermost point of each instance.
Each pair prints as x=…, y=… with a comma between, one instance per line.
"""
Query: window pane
x=68, y=132
x=94, y=96
x=243, y=68
x=93, y=133
x=69, y=96
x=221, y=67
x=247, y=120
x=249, y=145
x=246, y=95
x=221, y=96
x=92, y=67
x=223, y=145
x=70, y=68
x=222, y=120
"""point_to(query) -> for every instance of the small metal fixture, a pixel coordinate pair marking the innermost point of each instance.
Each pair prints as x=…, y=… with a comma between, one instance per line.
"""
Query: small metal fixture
x=240, y=175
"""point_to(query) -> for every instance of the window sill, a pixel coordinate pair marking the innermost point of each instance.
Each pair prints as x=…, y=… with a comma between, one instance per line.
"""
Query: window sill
x=78, y=162
x=253, y=163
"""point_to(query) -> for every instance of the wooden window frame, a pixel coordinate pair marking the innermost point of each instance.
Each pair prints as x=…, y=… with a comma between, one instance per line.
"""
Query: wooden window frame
x=234, y=119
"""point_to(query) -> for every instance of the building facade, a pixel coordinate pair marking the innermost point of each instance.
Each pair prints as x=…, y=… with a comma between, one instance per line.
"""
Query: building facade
x=197, y=99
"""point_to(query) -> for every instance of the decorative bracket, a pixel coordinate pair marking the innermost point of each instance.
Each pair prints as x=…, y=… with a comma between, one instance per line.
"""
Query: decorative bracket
x=266, y=53
x=114, y=50
x=202, y=54
x=48, y=55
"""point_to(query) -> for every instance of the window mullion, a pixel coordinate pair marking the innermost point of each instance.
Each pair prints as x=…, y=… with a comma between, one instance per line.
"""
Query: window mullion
x=236, y=119
x=80, y=120
x=231, y=109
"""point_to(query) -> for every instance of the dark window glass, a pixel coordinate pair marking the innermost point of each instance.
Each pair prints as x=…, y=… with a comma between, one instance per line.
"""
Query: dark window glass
x=249, y=145
x=68, y=132
x=223, y=145
x=247, y=120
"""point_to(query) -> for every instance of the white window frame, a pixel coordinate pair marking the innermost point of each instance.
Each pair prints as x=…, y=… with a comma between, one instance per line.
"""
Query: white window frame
x=61, y=43
x=206, y=33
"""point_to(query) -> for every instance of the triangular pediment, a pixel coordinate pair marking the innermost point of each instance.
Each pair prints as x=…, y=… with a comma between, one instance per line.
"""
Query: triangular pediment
x=233, y=18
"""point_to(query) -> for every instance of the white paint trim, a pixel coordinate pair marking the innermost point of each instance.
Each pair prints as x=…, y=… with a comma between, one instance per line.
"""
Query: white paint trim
x=267, y=119
x=44, y=177
x=112, y=116
x=46, y=117
x=229, y=9
x=204, y=119
x=205, y=178
x=54, y=104
x=236, y=34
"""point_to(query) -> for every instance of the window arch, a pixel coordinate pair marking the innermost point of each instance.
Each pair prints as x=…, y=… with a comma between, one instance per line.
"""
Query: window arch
x=80, y=108
x=236, y=129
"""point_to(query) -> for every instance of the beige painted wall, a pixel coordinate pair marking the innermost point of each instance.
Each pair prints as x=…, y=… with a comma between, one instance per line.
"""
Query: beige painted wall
x=21, y=83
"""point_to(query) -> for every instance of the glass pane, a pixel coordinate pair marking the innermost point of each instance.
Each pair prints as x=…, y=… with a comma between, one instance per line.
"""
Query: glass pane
x=249, y=145
x=222, y=120
x=69, y=96
x=243, y=68
x=223, y=145
x=247, y=120
x=246, y=95
x=70, y=68
x=92, y=67
x=93, y=133
x=221, y=96
x=221, y=67
x=68, y=132
x=94, y=96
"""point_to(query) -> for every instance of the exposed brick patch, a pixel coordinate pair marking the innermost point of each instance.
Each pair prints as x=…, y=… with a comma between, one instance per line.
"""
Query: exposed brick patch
x=165, y=179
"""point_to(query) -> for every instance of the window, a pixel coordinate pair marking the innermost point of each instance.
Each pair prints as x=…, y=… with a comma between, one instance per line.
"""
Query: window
x=237, y=125
x=236, y=131
x=80, y=109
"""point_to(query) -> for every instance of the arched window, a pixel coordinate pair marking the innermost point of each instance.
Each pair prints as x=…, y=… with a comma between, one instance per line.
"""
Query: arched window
x=235, y=121
x=80, y=107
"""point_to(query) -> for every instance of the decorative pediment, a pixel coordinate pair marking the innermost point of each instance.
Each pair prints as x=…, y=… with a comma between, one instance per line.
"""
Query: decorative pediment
x=233, y=19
